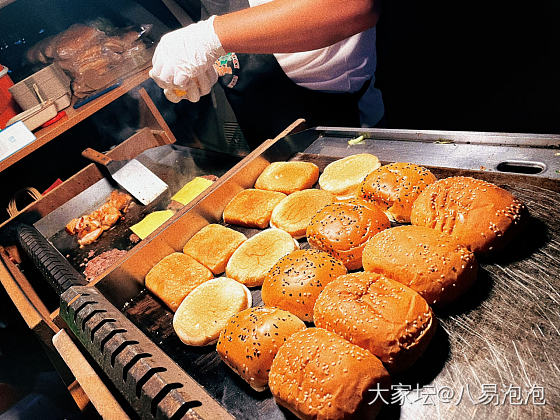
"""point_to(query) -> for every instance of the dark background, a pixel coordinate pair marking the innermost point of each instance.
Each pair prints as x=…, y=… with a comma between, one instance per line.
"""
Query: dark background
x=476, y=65
x=488, y=66
x=482, y=66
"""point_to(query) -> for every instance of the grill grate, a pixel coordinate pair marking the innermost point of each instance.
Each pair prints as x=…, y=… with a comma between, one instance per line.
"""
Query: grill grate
x=150, y=381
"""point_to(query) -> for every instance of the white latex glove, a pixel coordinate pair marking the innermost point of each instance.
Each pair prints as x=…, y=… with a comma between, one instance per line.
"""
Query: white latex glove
x=183, y=61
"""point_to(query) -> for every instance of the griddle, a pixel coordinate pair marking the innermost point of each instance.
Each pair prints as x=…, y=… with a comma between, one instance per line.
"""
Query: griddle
x=502, y=335
x=174, y=164
x=505, y=331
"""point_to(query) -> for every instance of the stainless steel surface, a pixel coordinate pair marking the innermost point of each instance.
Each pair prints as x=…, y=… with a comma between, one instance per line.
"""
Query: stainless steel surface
x=83, y=203
x=129, y=276
x=140, y=182
x=131, y=175
x=449, y=149
x=153, y=384
x=176, y=165
x=495, y=352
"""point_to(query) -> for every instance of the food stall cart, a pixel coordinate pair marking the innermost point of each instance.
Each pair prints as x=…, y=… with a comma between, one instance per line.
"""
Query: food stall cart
x=486, y=359
x=113, y=343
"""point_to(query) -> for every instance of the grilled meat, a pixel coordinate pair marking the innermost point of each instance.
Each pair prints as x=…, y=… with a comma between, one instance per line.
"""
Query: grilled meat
x=89, y=227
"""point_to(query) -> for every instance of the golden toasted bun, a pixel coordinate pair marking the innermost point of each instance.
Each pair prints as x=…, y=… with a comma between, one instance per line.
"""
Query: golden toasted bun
x=256, y=256
x=251, y=339
x=294, y=212
x=174, y=277
x=343, y=177
x=478, y=214
x=433, y=264
x=394, y=188
x=378, y=314
x=288, y=177
x=295, y=281
x=342, y=229
x=204, y=313
x=318, y=375
x=252, y=208
x=213, y=245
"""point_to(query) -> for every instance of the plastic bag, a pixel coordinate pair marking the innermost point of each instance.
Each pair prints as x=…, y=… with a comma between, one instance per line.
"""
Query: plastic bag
x=95, y=58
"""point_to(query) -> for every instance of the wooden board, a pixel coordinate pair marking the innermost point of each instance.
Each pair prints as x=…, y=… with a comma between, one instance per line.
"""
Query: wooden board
x=73, y=117
x=502, y=337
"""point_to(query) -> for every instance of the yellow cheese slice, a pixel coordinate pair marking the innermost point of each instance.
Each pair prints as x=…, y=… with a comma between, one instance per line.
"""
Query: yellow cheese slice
x=191, y=189
x=150, y=223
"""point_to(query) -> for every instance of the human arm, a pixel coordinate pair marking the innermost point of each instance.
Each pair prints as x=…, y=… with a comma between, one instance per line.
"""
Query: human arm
x=293, y=26
x=184, y=58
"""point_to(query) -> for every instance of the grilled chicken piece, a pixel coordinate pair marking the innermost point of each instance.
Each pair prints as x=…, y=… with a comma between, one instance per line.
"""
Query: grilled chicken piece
x=71, y=226
x=120, y=200
x=90, y=237
x=90, y=227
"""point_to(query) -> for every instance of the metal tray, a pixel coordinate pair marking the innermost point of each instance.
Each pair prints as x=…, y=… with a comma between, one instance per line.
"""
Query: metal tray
x=175, y=164
x=495, y=352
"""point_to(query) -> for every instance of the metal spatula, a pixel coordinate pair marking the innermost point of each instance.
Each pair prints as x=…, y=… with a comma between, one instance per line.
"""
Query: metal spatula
x=131, y=175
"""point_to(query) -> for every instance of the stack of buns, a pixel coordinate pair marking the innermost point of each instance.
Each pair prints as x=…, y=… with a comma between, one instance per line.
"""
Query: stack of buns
x=366, y=323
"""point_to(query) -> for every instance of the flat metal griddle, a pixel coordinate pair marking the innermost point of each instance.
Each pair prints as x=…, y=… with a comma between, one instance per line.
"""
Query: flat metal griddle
x=174, y=164
x=504, y=334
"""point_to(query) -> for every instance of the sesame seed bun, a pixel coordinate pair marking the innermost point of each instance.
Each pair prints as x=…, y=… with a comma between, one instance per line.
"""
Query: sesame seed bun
x=432, y=263
x=378, y=314
x=256, y=256
x=213, y=245
x=343, y=176
x=203, y=314
x=294, y=212
x=478, y=214
x=252, y=208
x=288, y=177
x=318, y=375
x=342, y=229
x=359, y=201
x=394, y=188
x=174, y=277
x=295, y=281
x=252, y=338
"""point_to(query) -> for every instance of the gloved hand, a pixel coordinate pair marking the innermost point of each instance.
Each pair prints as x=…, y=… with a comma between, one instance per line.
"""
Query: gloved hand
x=183, y=61
x=175, y=94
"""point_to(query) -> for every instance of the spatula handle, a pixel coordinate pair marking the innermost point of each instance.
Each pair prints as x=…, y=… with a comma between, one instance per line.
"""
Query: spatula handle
x=97, y=157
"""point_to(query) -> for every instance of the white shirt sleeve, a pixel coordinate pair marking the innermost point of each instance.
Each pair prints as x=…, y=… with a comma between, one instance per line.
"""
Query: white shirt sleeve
x=341, y=67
